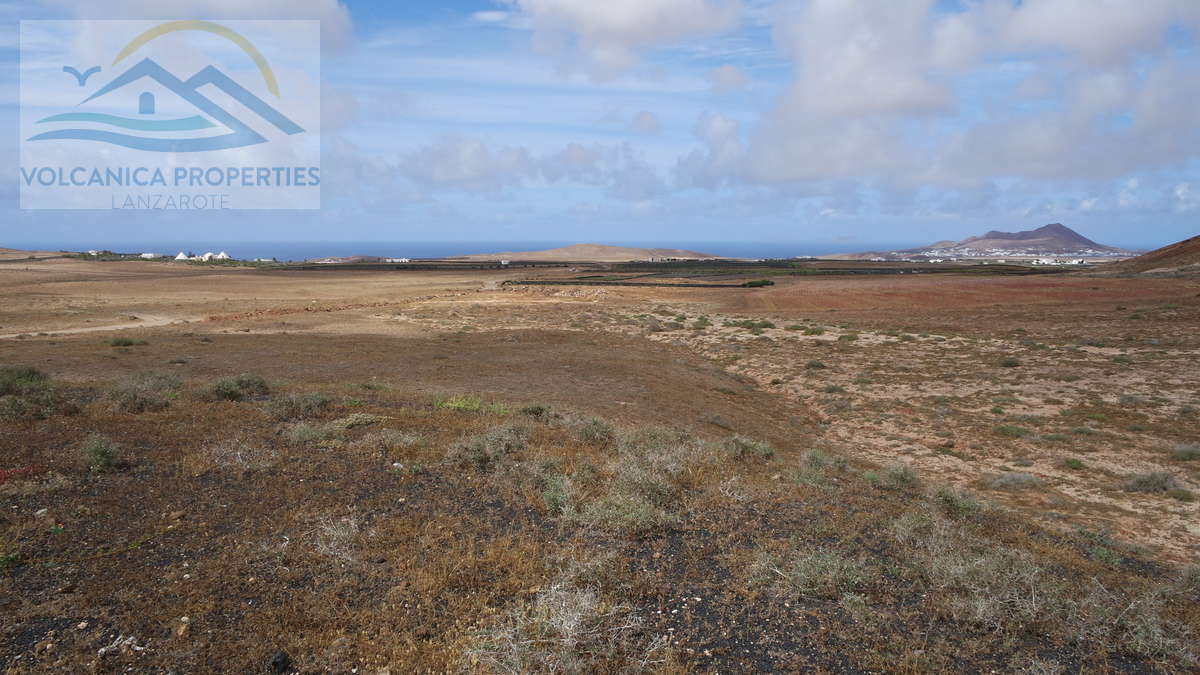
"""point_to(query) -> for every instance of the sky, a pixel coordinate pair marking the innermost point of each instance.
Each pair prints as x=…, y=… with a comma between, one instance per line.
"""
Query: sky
x=837, y=122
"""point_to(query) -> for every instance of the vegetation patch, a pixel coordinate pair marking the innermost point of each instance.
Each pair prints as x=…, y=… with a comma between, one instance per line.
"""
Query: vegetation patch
x=489, y=450
x=740, y=446
x=566, y=629
x=1015, y=480
x=145, y=392
x=239, y=388
x=298, y=406
x=29, y=394
x=1151, y=481
x=100, y=454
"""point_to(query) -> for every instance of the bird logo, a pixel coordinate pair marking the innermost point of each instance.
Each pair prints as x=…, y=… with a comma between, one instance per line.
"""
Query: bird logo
x=82, y=77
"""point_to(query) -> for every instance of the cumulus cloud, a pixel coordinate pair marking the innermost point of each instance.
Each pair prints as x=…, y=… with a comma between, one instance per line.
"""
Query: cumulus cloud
x=456, y=164
x=606, y=36
x=719, y=162
x=877, y=92
x=645, y=123
x=466, y=164
x=728, y=78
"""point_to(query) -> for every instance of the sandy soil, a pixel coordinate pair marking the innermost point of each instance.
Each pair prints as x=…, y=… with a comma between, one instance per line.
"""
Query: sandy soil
x=910, y=369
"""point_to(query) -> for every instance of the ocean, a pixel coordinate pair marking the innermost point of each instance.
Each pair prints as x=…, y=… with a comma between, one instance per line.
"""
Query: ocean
x=294, y=251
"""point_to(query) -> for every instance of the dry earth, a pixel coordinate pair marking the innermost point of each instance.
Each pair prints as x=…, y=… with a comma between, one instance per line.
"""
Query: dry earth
x=1043, y=395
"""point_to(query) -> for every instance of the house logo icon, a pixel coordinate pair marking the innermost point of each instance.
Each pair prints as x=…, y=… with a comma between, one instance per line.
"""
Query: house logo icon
x=210, y=127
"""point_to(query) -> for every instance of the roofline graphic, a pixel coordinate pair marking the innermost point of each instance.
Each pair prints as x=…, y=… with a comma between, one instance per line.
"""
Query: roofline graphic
x=241, y=136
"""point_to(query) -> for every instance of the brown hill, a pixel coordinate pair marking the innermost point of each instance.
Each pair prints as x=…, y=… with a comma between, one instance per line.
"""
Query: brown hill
x=1179, y=258
x=593, y=253
x=1053, y=238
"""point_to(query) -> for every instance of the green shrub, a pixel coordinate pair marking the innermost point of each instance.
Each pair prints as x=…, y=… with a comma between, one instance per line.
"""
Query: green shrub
x=1009, y=362
x=1151, y=481
x=814, y=365
x=125, y=342
x=16, y=380
x=566, y=630
x=99, y=454
x=489, y=450
x=1015, y=480
x=803, y=574
x=1013, y=431
x=355, y=420
x=145, y=392
x=644, y=488
x=1186, y=452
x=956, y=503
x=814, y=330
x=464, y=403
x=898, y=477
x=758, y=283
x=740, y=446
x=596, y=431
x=558, y=493
x=309, y=432
x=28, y=394
x=1073, y=463
x=628, y=512
x=298, y=406
x=239, y=388
x=386, y=440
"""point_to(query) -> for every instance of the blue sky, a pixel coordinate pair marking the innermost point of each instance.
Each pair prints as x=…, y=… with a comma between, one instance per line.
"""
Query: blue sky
x=826, y=121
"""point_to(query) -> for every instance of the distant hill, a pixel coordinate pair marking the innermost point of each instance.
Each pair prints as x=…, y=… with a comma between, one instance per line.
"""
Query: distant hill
x=1180, y=258
x=1055, y=239
x=593, y=253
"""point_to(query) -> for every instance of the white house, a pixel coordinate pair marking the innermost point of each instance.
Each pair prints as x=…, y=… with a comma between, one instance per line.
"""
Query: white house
x=398, y=260
x=222, y=256
x=150, y=256
x=208, y=255
x=181, y=256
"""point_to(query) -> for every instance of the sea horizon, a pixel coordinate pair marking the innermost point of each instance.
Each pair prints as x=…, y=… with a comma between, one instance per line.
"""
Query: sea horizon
x=298, y=251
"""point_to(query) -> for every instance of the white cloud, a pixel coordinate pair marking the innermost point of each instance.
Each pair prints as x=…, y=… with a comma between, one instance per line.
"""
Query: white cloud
x=645, y=123
x=465, y=164
x=606, y=36
x=728, y=78
x=490, y=16
x=1187, y=197
x=878, y=92
x=719, y=162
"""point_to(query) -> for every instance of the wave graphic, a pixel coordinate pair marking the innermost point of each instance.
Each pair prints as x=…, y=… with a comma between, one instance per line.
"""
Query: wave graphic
x=193, y=123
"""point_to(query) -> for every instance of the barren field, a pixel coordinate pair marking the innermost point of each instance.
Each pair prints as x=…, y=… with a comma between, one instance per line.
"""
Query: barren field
x=207, y=468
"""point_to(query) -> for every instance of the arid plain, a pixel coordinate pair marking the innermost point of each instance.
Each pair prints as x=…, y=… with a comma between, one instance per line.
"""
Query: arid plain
x=323, y=470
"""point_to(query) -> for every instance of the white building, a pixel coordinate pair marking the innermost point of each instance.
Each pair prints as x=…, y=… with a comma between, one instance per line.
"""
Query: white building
x=398, y=260
x=222, y=256
x=150, y=256
x=181, y=256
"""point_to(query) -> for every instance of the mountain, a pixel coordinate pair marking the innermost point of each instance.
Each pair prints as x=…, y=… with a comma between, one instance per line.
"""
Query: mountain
x=1051, y=240
x=1182, y=257
x=593, y=253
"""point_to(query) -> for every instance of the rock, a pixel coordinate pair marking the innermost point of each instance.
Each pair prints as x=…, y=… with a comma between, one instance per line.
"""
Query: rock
x=41, y=513
x=177, y=515
x=280, y=662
